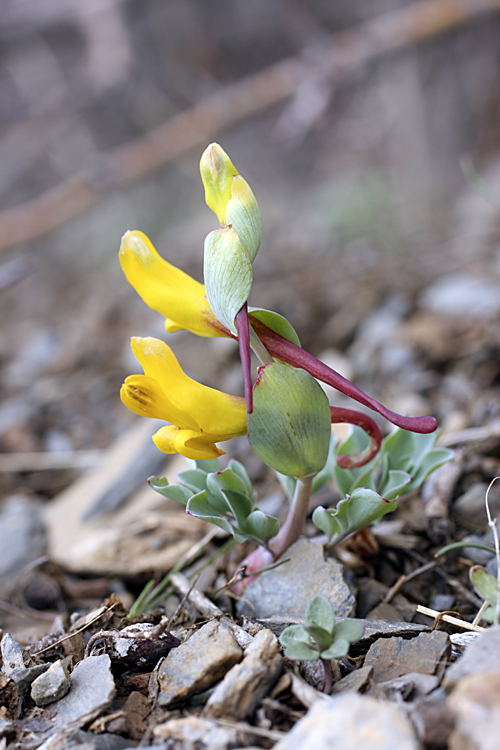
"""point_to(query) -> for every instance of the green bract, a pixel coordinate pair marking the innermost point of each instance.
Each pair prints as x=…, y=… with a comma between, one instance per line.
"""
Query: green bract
x=320, y=637
x=223, y=498
x=228, y=274
x=289, y=428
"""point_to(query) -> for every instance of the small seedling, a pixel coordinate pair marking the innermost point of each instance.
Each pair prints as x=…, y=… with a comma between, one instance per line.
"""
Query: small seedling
x=320, y=638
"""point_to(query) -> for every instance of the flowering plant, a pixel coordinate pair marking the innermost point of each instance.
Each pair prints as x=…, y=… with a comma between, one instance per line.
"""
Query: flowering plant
x=285, y=413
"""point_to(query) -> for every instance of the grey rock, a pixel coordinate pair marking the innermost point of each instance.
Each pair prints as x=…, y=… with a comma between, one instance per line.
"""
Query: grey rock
x=92, y=690
x=393, y=657
x=479, y=556
x=197, y=663
x=12, y=655
x=458, y=295
x=288, y=589
x=475, y=703
x=25, y=677
x=195, y=732
x=351, y=722
x=409, y=686
x=471, y=505
x=482, y=655
x=433, y=720
x=68, y=739
x=52, y=684
x=248, y=682
x=355, y=682
x=22, y=537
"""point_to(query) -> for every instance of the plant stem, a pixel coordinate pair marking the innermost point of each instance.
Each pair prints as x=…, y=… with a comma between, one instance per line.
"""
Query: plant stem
x=292, y=528
x=327, y=669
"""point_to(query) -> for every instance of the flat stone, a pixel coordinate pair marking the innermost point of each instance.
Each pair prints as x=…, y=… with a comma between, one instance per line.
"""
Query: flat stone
x=482, y=655
x=247, y=683
x=409, y=686
x=355, y=682
x=393, y=657
x=52, y=684
x=351, y=722
x=67, y=739
x=12, y=655
x=197, y=663
x=288, y=589
x=92, y=690
x=195, y=731
x=475, y=703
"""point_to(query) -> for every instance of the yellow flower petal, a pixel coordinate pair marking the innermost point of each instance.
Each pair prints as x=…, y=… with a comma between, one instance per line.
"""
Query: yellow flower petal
x=189, y=443
x=167, y=289
x=199, y=416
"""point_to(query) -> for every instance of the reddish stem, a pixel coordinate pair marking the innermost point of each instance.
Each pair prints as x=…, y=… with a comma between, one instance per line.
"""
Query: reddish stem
x=243, y=328
x=286, y=351
x=368, y=425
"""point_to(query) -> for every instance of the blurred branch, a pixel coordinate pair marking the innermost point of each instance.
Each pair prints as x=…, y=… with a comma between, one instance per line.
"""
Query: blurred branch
x=347, y=51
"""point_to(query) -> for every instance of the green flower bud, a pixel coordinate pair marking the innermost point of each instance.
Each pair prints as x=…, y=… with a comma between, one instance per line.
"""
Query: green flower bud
x=243, y=214
x=231, y=198
x=228, y=275
x=217, y=172
x=290, y=427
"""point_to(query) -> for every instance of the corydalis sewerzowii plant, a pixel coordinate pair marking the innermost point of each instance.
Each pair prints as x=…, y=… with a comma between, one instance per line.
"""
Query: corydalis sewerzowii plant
x=287, y=414
x=320, y=637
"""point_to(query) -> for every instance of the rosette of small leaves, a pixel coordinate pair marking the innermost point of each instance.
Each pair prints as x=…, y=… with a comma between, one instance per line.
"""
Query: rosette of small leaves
x=223, y=498
x=320, y=637
x=404, y=461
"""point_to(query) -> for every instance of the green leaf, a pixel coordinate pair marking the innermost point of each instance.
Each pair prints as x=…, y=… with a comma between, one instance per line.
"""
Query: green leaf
x=339, y=648
x=298, y=644
x=228, y=274
x=261, y=526
x=238, y=468
x=228, y=479
x=275, y=322
x=432, y=461
x=240, y=504
x=353, y=513
x=199, y=507
x=321, y=637
x=171, y=491
x=350, y=630
x=194, y=479
x=320, y=613
x=207, y=464
x=326, y=472
x=396, y=482
x=485, y=584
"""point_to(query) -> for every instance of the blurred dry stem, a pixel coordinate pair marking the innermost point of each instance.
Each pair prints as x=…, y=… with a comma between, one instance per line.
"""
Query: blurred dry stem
x=347, y=51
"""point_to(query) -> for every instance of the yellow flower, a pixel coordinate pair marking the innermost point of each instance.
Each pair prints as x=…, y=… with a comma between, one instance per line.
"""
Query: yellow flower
x=167, y=289
x=200, y=416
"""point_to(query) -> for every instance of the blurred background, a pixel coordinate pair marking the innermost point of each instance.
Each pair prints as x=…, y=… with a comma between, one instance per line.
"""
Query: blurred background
x=369, y=132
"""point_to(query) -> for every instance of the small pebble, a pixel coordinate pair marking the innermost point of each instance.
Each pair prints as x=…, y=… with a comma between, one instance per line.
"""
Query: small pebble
x=52, y=684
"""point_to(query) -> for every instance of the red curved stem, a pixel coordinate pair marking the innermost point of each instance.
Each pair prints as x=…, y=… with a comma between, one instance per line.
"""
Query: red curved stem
x=286, y=351
x=368, y=425
x=243, y=328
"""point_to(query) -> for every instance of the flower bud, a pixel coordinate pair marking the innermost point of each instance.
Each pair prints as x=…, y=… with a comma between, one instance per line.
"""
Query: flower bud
x=217, y=172
x=228, y=275
x=231, y=198
x=289, y=428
